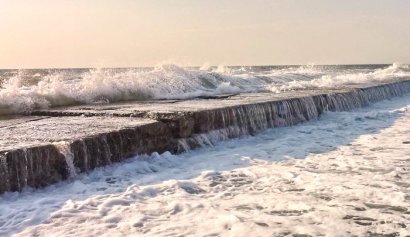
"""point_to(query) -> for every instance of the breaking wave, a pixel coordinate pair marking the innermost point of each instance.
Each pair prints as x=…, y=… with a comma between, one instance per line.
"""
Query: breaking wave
x=24, y=90
x=339, y=79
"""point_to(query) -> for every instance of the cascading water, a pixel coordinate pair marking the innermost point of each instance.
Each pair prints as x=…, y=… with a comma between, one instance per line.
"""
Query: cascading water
x=4, y=176
x=65, y=150
x=31, y=167
x=222, y=124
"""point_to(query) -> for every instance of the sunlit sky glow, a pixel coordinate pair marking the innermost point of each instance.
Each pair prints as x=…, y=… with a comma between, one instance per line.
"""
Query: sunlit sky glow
x=95, y=33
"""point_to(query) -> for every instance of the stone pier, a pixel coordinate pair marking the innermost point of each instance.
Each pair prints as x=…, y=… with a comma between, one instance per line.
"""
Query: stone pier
x=48, y=146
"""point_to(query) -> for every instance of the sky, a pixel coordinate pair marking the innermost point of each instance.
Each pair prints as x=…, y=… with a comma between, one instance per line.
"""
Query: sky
x=123, y=33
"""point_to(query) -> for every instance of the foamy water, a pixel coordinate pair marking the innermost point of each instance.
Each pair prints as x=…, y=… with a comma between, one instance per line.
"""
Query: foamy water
x=345, y=174
x=24, y=90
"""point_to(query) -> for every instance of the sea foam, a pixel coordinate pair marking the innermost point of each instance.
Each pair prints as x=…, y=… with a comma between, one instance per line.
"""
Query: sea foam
x=24, y=90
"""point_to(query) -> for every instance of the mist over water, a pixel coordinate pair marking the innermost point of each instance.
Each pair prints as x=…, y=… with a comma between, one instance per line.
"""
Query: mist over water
x=24, y=90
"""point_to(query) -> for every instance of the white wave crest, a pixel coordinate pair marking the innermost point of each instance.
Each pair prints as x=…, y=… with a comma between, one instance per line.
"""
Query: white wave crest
x=24, y=92
x=339, y=79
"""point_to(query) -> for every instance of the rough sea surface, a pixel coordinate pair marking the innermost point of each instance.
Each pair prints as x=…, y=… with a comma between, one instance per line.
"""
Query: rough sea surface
x=24, y=90
x=346, y=174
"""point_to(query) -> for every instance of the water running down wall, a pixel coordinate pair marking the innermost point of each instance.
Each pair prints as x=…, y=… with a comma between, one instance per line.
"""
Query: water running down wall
x=43, y=165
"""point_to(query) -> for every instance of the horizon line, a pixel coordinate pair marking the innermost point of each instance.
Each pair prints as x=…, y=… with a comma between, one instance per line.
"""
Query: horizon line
x=246, y=65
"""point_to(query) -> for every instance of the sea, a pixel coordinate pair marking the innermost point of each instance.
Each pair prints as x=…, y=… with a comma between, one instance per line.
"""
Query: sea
x=24, y=90
x=344, y=174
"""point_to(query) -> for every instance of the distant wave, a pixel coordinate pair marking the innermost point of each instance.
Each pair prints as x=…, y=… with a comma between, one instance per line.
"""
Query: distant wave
x=23, y=93
x=347, y=78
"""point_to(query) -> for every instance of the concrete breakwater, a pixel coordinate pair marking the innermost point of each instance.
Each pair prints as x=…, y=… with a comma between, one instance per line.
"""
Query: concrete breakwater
x=48, y=146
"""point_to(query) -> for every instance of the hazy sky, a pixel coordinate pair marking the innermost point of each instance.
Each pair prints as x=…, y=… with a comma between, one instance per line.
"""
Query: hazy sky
x=84, y=33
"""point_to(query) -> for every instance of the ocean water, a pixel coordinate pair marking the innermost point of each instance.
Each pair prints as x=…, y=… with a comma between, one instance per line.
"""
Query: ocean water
x=345, y=174
x=24, y=90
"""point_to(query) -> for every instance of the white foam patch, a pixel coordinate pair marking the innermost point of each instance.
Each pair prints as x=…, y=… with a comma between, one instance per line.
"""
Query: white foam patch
x=346, y=174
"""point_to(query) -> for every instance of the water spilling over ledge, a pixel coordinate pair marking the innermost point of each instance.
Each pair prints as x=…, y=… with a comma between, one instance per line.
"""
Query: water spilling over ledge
x=48, y=146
